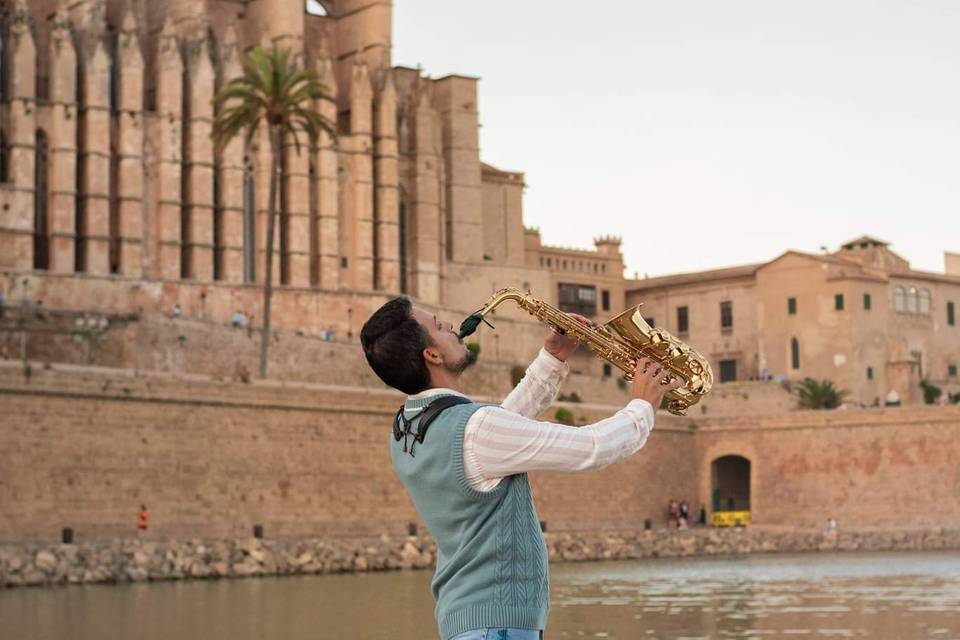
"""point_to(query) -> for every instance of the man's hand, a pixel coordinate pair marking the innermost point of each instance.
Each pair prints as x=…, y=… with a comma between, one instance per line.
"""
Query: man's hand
x=651, y=381
x=560, y=347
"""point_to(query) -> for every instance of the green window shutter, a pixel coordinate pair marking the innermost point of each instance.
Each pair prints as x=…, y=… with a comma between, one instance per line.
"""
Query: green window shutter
x=869, y=373
x=951, y=320
x=838, y=302
x=952, y=371
x=792, y=306
x=866, y=301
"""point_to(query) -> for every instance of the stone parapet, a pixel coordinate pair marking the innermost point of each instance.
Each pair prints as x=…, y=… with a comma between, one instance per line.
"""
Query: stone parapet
x=138, y=560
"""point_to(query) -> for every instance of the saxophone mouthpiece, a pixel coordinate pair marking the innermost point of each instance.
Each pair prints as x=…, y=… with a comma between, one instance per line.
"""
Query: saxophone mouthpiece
x=469, y=325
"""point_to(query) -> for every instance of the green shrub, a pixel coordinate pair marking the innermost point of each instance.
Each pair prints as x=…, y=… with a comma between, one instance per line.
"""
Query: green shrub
x=474, y=347
x=573, y=396
x=818, y=394
x=516, y=374
x=622, y=383
x=930, y=392
x=564, y=416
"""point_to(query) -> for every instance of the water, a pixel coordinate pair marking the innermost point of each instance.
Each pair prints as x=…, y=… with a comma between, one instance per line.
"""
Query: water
x=897, y=596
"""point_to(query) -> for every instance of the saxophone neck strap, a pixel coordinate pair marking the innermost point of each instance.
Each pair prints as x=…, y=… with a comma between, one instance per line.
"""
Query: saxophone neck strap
x=402, y=425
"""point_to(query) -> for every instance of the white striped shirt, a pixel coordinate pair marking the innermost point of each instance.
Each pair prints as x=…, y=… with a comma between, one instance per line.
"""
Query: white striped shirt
x=506, y=440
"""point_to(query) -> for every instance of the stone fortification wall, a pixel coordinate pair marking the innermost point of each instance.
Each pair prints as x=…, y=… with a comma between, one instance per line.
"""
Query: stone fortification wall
x=887, y=468
x=83, y=448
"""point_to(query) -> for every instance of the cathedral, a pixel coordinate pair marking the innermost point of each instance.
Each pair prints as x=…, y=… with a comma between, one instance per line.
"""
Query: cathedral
x=111, y=191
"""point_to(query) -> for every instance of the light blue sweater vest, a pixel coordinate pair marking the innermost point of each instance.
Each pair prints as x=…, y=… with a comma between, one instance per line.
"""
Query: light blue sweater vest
x=491, y=557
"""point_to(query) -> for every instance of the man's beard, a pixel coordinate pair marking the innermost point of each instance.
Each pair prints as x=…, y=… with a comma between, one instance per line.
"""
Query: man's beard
x=468, y=359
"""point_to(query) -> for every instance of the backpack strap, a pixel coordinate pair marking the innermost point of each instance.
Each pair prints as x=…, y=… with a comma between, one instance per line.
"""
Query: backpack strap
x=401, y=426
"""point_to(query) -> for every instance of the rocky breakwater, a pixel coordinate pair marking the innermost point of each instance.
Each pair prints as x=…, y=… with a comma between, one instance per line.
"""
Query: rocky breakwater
x=586, y=546
x=139, y=560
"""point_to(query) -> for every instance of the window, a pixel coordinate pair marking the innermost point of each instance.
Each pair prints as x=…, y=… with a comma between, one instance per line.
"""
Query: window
x=605, y=300
x=728, y=370
x=4, y=158
x=952, y=371
x=838, y=302
x=401, y=238
x=343, y=263
x=867, y=303
x=683, y=319
x=794, y=353
x=249, y=222
x=41, y=222
x=912, y=300
x=650, y=321
x=792, y=306
x=607, y=370
x=899, y=299
x=924, y=300
x=726, y=315
x=869, y=373
x=951, y=320
x=578, y=298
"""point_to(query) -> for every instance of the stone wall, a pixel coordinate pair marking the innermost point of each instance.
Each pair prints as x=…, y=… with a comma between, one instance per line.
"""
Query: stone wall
x=84, y=447
x=199, y=343
x=889, y=468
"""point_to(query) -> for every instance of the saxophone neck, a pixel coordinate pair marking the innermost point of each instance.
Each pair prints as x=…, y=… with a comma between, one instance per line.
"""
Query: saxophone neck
x=471, y=322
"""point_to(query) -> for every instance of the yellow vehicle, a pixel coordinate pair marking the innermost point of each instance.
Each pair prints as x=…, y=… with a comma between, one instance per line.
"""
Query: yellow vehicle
x=730, y=519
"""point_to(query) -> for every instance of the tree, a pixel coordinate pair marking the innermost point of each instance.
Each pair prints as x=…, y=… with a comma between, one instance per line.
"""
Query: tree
x=273, y=91
x=818, y=394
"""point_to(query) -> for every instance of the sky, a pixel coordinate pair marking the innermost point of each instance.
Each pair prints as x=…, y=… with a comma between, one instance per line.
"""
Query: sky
x=709, y=134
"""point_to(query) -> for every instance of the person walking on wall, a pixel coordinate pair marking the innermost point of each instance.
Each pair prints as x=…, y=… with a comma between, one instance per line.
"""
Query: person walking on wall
x=467, y=475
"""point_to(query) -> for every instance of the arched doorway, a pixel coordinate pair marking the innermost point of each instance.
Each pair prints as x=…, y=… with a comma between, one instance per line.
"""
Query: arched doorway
x=730, y=490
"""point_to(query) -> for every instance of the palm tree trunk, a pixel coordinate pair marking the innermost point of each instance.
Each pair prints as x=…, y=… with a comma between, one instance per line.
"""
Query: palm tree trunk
x=271, y=227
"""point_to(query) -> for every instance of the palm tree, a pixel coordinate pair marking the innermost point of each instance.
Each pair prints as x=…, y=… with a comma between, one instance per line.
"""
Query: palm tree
x=818, y=394
x=271, y=90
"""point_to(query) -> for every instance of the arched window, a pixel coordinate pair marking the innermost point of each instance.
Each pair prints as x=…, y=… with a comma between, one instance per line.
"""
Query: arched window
x=924, y=300
x=41, y=222
x=899, y=299
x=249, y=221
x=4, y=158
x=283, y=221
x=794, y=353
x=402, y=239
x=912, y=300
x=217, y=224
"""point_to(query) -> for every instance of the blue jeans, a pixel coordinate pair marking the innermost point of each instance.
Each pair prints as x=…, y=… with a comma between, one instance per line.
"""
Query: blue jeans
x=496, y=633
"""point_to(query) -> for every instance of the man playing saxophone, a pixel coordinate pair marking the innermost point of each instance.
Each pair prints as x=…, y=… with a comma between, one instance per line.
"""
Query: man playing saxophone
x=467, y=475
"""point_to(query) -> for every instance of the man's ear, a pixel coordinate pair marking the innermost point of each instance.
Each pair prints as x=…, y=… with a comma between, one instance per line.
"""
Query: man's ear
x=431, y=355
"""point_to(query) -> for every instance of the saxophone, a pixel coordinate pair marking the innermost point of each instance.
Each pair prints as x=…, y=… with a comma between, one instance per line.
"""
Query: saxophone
x=621, y=341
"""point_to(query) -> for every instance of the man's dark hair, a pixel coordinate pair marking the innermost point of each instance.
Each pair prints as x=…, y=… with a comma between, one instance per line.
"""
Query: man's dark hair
x=393, y=342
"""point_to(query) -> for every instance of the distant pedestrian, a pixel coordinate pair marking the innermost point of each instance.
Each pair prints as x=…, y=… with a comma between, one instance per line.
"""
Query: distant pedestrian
x=703, y=516
x=239, y=320
x=143, y=518
x=1, y=304
x=177, y=311
x=673, y=513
